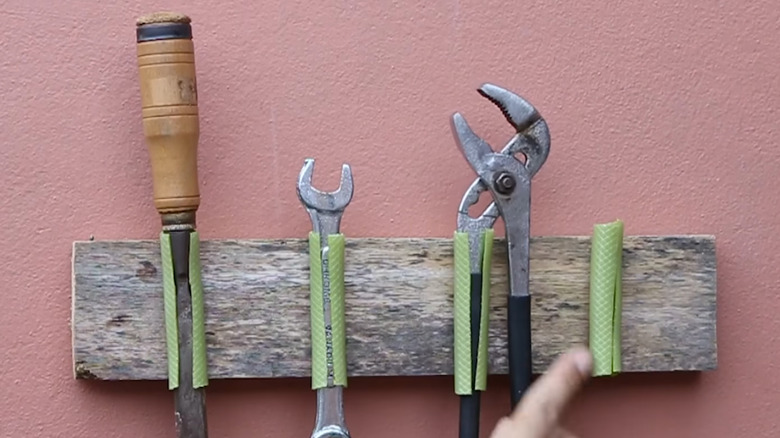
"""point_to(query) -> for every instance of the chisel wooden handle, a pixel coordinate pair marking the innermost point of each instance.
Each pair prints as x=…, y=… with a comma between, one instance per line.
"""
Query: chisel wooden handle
x=169, y=99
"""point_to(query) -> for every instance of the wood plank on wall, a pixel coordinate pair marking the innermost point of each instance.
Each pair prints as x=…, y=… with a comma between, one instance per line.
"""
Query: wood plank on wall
x=398, y=306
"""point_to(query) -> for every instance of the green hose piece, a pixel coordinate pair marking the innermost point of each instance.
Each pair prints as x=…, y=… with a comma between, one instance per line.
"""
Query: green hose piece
x=462, y=314
x=199, y=350
x=482, y=358
x=199, y=357
x=324, y=369
x=605, y=298
x=336, y=246
x=169, y=299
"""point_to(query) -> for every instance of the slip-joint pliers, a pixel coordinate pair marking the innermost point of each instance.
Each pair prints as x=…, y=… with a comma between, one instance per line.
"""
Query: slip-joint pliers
x=508, y=179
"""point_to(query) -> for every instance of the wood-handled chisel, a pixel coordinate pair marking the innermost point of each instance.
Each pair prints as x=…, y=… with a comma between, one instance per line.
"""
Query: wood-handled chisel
x=169, y=99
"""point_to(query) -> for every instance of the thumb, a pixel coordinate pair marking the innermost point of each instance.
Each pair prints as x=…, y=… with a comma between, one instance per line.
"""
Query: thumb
x=541, y=408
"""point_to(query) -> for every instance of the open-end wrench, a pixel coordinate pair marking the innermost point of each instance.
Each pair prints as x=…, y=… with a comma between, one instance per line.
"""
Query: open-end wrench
x=509, y=182
x=328, y=329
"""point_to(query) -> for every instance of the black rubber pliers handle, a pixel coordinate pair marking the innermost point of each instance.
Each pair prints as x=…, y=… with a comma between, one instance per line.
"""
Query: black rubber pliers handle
x=519, y=341
x=470, y=404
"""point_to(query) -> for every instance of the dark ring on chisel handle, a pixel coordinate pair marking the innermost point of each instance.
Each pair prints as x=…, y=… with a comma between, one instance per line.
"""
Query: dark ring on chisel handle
x=163, y=31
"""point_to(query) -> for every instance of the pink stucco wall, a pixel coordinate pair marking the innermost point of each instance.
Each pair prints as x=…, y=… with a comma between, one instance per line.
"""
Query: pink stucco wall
x=662, y=113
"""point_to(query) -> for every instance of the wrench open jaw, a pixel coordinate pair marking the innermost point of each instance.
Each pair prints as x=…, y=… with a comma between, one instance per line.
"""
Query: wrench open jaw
x=325, y=208
x=509, y=181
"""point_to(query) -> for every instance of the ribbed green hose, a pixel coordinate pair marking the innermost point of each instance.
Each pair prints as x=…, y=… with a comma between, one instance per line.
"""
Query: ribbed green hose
x=482, y=358
x=171, y=321
x=462, y=314
x=337, y=328
x=605, y=298
x=199, y=356
x=200, y=375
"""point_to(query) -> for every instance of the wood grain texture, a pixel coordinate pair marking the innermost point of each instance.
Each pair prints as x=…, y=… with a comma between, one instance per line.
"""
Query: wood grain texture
x=398, y=306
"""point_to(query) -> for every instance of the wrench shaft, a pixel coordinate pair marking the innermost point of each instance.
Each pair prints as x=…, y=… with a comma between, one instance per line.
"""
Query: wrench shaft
x=330, y=414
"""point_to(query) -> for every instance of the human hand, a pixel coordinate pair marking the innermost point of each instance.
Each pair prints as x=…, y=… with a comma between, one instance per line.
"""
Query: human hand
x=539, y=412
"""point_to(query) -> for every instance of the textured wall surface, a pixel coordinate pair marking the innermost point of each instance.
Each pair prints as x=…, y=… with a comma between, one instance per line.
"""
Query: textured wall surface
x=663, y=114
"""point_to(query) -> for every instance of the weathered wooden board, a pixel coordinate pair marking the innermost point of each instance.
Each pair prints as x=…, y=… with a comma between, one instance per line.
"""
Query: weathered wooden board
x=399, y=306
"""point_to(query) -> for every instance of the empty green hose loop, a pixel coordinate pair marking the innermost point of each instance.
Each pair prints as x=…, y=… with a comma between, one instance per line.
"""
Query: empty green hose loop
x=605, y=298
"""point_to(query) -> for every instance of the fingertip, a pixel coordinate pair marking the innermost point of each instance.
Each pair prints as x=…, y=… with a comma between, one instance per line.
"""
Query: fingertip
x=583, y=360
